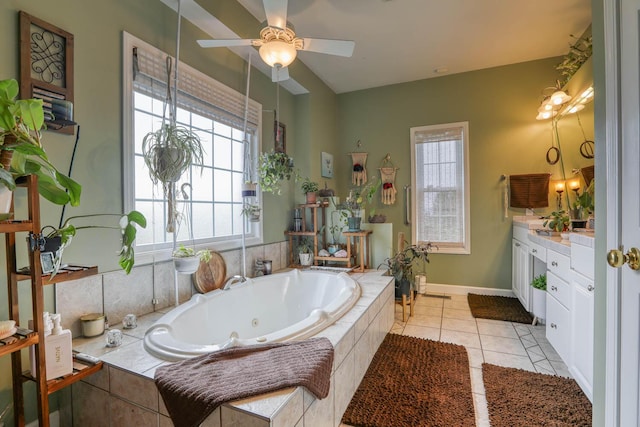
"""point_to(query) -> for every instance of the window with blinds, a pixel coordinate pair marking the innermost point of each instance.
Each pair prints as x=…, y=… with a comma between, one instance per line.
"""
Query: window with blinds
x=210, y=198
x=440, y=181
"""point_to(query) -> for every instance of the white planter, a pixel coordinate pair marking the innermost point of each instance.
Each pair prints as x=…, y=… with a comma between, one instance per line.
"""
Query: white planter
x=187, y=265
x=5, y=199
x=306, y=259
x=539, y=303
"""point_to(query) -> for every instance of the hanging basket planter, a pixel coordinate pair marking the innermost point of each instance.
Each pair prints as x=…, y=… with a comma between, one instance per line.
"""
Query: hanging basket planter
x=249, y=189
x=187, y=265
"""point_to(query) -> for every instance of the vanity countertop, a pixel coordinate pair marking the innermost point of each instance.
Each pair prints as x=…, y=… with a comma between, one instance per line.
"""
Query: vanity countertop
x=555, y=243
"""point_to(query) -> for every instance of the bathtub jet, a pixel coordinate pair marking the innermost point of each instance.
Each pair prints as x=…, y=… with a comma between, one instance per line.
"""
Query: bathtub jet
x=278, y=307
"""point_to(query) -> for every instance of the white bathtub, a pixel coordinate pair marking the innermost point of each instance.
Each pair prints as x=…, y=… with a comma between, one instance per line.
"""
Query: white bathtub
x=279, y=307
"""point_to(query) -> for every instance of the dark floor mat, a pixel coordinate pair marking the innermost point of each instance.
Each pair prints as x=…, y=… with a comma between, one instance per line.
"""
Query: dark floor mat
x=498, y=308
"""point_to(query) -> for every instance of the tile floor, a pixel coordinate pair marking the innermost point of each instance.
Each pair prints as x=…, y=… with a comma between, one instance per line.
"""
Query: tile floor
x=447, y=318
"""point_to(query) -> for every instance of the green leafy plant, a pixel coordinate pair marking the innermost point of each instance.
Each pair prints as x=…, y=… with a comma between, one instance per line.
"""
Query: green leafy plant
x=251, y=211
x=578, y=54
x=405, y=264
x=540, y=282
x=126, y=224
x=309, y=186
x=185, y=252
x=360, y=198
x=557, y=221
x=20, y=123
x=274, y=167
x=305, y=246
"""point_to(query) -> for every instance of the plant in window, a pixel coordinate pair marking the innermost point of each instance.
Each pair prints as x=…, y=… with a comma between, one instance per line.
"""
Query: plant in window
x=21, y=151
x=186, y=260
x=274, y=167
x=60, y=238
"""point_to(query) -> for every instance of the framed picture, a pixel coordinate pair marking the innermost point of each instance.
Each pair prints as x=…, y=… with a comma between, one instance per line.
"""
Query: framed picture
x=280, y=137
x=327, y=165
x=47, y=262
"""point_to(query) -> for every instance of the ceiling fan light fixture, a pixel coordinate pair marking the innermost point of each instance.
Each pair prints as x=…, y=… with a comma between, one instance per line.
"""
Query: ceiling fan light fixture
x=278, y=52
x=559, y=97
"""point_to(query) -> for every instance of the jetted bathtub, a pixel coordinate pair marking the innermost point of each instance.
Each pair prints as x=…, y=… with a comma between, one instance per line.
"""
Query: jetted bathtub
x=279, y=307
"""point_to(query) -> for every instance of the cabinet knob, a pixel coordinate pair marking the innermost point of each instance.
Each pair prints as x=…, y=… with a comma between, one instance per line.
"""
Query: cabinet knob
x=590, y=288
x=553, y=263
x=554, y=288
x=535, y=251
x=517, y=245
x=554, y=326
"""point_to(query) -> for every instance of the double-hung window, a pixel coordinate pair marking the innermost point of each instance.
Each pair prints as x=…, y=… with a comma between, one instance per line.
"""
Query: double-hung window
x=440, y=177
x=209, y=195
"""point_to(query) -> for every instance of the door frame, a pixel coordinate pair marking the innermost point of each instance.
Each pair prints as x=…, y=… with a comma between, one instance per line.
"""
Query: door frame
x=608, y=183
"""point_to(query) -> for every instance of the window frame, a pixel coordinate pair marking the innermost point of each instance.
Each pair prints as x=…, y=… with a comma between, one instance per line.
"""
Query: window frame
x=159, y=251
x=464, y=247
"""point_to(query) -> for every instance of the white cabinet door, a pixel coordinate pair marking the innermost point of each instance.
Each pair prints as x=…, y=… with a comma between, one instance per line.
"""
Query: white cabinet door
x=582, y=333
x=520, y=272
x=558, y=329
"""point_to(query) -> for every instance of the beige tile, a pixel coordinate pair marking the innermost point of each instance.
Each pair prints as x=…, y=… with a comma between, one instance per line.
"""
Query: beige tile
x=522, y=330
x=272, y=252
x=166, y=422
x=345, y=386
x=505, y=329
x=456, y=304
x=503, y=345
x=528, y=341
x=508, y=360
x=233, y=262
x=90, y=405
x=544, y=367
x=319, y=412
x=76, y=298
x=476, y=359
x=126, y=414
x=99, y=379
x=462, y=338
x=459, y=325
x=477, y=384
x=233, y=417
x=561, y=369
x=424, y=320
x=125, y=294
x=422, y=332
x=536, y=354
x=482, y=410
x=453, y=313
x=133, y=388
x=427, y=311
x=550, y=352
x=291, y=412
x=429, y=302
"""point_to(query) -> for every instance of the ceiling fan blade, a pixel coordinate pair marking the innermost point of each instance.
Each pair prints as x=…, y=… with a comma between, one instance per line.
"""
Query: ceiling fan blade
x=276, y=11
x=225, y=43
x=279, y=74
x=331, y=47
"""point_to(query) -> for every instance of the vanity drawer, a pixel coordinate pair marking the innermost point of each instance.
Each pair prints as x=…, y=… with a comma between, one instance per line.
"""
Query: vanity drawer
x=558, y=328
x=558, y=264
x=559, y=289
x=538, y=251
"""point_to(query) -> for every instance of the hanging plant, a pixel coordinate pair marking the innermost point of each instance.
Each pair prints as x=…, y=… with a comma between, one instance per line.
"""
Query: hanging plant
x=274, y=167
x=578, y=54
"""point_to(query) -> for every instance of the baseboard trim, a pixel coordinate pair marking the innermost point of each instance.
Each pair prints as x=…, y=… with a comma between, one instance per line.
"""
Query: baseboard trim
x=463, y=290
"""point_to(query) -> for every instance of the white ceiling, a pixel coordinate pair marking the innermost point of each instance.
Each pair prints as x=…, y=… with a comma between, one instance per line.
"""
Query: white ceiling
x=405, y=40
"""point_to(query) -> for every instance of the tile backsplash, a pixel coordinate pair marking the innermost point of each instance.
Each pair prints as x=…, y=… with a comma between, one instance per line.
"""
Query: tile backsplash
x=117, y=294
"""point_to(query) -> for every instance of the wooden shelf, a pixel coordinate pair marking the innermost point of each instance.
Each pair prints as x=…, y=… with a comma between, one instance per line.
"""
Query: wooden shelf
x=80, y=371
x=331, y=258
x=12, y=226
x=20, y=344
x=64, y=275
x=300, y=233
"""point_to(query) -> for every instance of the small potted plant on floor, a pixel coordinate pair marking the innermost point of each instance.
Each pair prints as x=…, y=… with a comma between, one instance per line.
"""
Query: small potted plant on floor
x=187, y=260
x=406, y=264
x=539, y=285
x=305, y=252
x=310, y=190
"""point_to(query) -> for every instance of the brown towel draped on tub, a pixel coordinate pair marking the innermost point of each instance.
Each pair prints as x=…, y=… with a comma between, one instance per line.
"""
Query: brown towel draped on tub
x=192, y=389
x=529, y=191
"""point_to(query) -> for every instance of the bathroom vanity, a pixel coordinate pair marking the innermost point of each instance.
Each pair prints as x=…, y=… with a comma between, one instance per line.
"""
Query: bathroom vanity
x=569, y=266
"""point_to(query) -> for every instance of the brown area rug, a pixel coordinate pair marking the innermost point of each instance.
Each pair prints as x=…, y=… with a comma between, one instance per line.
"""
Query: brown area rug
x=498, y=308
x=414, y=382
x=521, y=398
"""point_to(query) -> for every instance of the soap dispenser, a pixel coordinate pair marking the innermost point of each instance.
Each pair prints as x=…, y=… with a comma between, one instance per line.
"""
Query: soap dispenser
x=58, y=349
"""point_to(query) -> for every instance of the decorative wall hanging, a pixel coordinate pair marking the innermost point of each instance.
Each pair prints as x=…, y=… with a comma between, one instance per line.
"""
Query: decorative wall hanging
x=326, y=169
x=46, y=70
x=388, y=176
x=359, y=160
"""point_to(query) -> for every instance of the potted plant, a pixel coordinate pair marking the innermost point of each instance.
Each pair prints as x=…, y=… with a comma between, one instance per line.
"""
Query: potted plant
x=406, y=263
x=582, y=207
x=558, y=221
x=357, y=201
x=334, y=229
x=251, y=211
x=21, y=151
x=187, y=260
x=305, y=252
x=274, y=167
x=58, y=239
x=539, y=285
x=310, y=189
x=168, y=152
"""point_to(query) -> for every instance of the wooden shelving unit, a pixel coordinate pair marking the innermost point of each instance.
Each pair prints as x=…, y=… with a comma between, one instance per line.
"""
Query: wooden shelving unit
x=316, y=224
x=34, y=337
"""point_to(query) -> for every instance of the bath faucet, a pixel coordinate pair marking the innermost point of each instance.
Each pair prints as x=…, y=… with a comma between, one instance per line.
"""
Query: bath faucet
x=232, y=280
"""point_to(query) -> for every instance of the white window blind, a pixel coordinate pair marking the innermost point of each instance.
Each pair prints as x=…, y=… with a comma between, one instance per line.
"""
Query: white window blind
x=441, y=190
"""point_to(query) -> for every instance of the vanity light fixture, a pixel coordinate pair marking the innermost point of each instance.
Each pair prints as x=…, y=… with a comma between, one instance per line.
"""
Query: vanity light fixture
x=560, y=190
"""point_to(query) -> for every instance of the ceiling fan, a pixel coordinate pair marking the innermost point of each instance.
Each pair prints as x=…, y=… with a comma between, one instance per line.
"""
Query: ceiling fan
x=279, y=44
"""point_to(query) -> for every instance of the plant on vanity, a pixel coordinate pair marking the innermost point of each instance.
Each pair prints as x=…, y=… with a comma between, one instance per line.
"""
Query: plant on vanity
x=21, y=151
x=58, y=239
x=558, y=221
x=406, y=263
x=186, y=260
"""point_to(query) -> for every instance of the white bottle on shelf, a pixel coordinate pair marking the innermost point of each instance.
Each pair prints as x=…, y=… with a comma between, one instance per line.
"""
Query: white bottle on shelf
x=58, y=349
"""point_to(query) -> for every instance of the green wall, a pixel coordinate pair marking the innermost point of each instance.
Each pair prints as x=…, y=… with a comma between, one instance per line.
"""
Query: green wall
x=500, y=105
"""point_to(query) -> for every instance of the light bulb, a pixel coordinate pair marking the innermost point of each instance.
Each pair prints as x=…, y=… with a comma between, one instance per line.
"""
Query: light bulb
x=277, y=52
x=559, y=97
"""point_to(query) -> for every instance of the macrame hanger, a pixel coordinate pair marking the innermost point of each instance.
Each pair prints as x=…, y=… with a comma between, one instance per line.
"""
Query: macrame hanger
x=359, y=174
x=388, y=176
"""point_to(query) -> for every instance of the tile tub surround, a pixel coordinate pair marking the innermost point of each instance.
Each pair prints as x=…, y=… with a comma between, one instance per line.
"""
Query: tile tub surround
x=124, y=393
x=117, y=294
